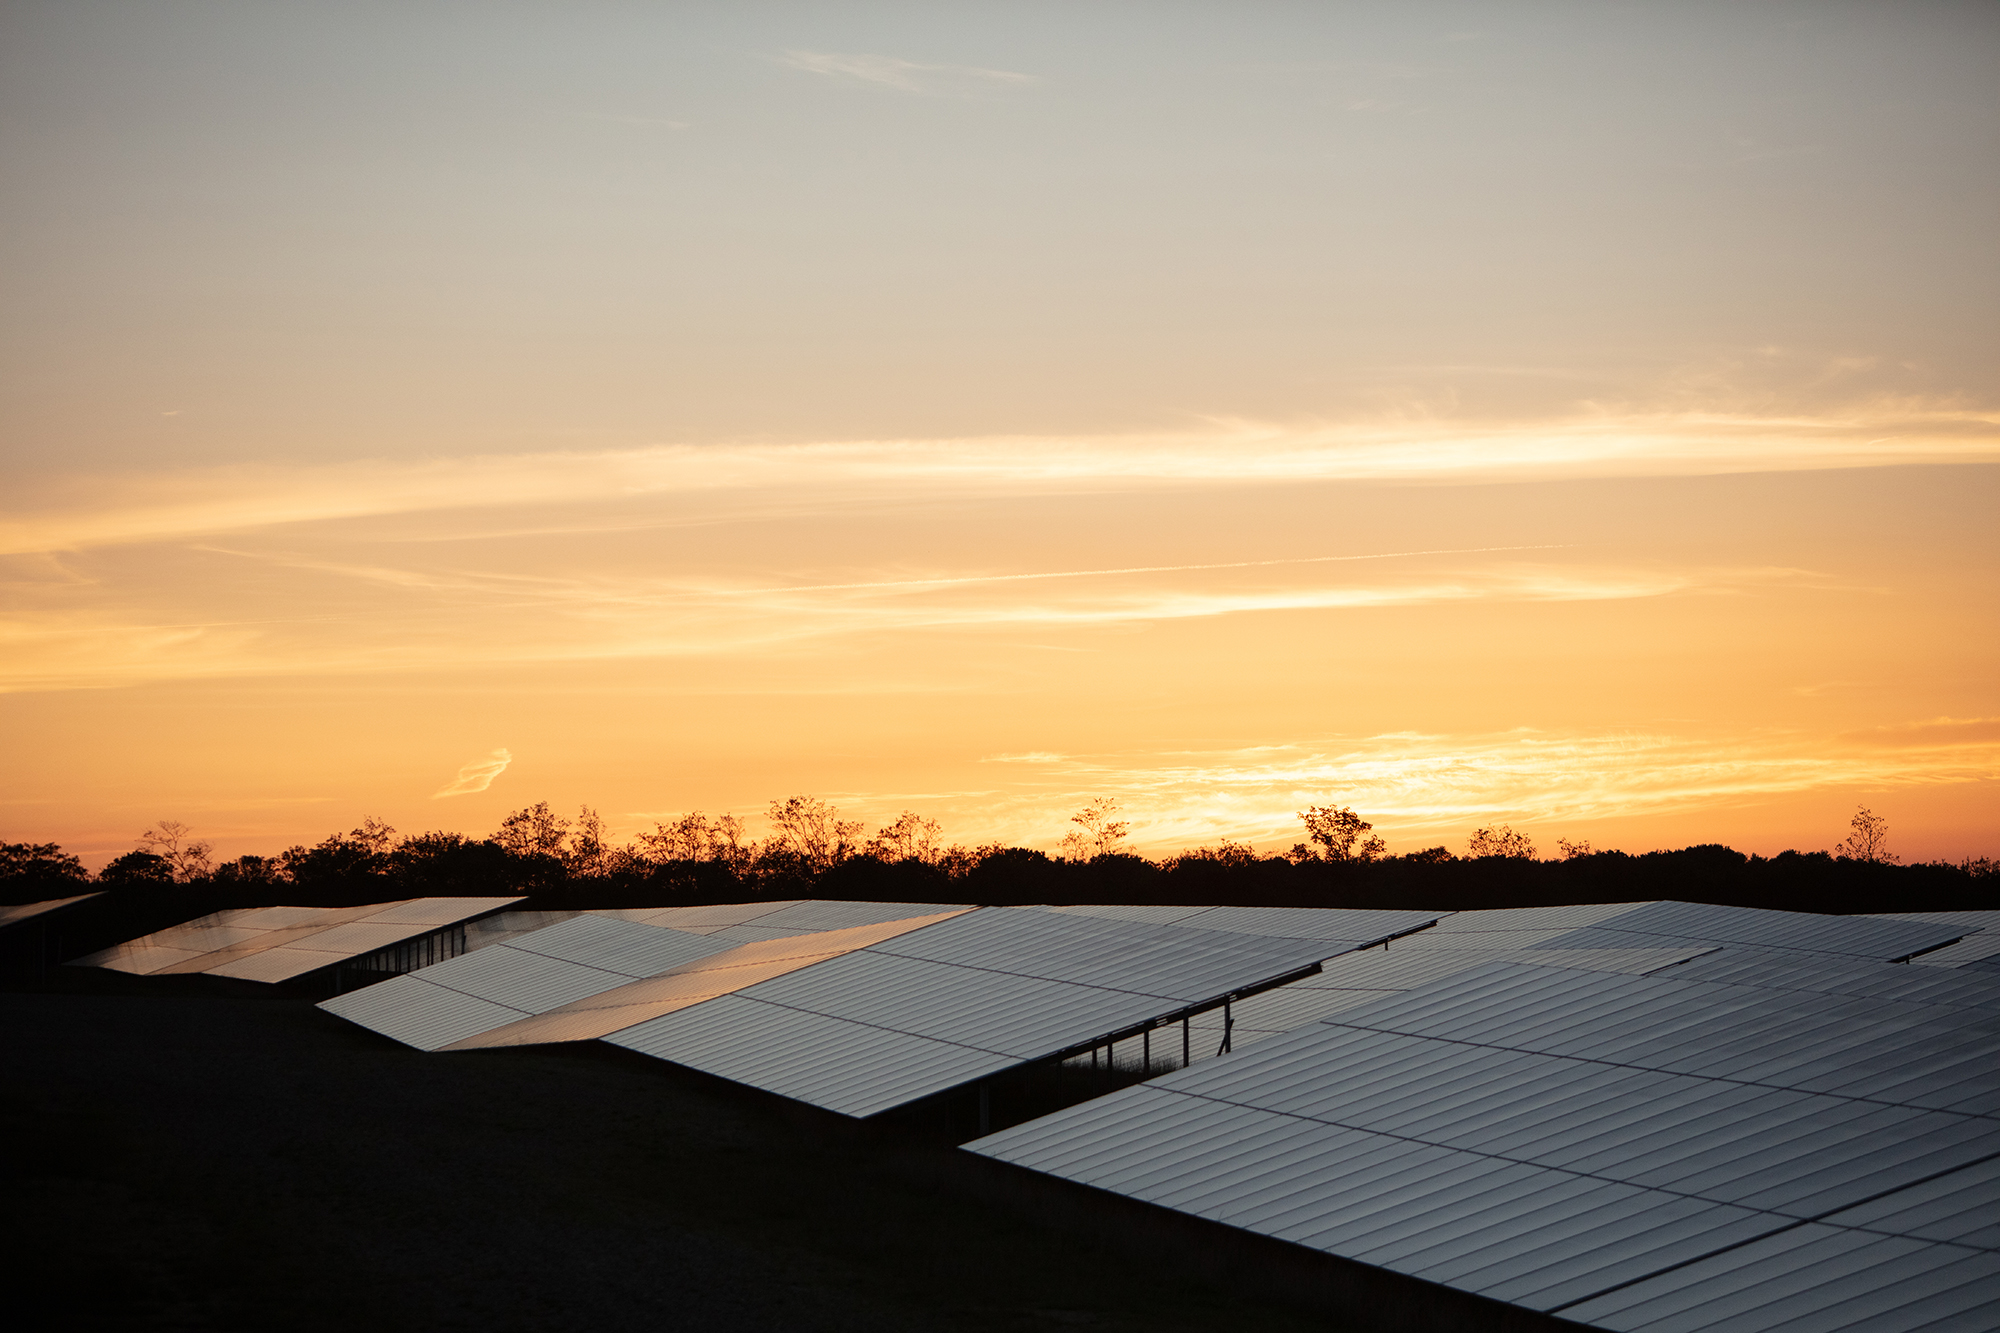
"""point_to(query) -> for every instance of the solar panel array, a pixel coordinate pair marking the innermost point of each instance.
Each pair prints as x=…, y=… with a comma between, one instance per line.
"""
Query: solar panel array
x=10, y=913
x=961, y=1000
x=745, y=922
x=542, y=969
x=503, y=926
x=1967, y=989
x=1639, y=1116
x=274, y=944
x=1457, y=942
x=1359, y=978
x=1979, y=949
x=861, y=1006
x=1756, y=928
x=1677, y=1151
x=1601, y=937
x=1348, y=926
x=574, y=979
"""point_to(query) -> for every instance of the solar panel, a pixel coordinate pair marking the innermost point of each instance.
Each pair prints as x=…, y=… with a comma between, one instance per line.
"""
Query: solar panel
x=581, y=956
x=1752, y=927
x=817, y=915
x=718, y=970
x=13, y=912
x=504, y=926
x=1889, y=981
x=1977, y=919
x=1983, y=947
x=278, y=943
x=418, y=1013
x=186, y=947
x=1458, y=942
x=1632, y=1151
x=1357, y=978
x=964, y=998
x=1569, y=917
x=823, y=1059
x=1152, y=915
x=1346, y=926
x=1811, y=1278
x=295, y=956
x=698, y=920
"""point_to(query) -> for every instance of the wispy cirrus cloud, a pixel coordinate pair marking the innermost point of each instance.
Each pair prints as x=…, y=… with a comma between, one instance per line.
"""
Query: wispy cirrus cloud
x=962, y=580
x=909, y=76
x=476, y=776
x=437, y=617
x=824, y=476
x=1940, y=732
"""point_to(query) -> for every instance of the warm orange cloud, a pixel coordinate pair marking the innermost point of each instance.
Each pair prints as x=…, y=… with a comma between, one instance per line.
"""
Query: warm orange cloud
x=754, y=480
x=1665, y=659
x=476, y=776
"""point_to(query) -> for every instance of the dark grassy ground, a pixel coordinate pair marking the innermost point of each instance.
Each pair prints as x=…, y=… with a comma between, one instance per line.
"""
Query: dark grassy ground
x=186, y=1153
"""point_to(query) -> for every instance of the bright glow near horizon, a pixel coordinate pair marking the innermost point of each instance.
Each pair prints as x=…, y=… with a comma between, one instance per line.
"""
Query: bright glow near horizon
x=1469, y=413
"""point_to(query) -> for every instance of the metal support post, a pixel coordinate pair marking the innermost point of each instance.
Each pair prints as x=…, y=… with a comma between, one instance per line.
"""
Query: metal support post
x=1187, y=1036
x=1146, y=1051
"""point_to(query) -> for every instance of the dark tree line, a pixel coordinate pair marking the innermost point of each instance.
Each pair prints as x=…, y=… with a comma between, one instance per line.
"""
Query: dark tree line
x=812, y=852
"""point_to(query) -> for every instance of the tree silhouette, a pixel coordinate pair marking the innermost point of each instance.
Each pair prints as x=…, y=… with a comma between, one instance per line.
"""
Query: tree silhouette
x=812, y=831
x=250, y=872
x=450, y=864
x=586, y=853
x=377, y=835
x=1338, y=831
x=1869, y=841
x=910, y=838
x=696, y=837
x=812, y=851
x=36, y=868
x=1225, y=853
x=342, y=858
x=1098, y=834
x=137, y=868
x=168, y=840
x=535, y=830
x=688, y=837
x=1501, y=841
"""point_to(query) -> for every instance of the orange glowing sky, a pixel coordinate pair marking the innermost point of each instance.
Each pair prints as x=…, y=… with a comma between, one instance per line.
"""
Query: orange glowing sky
x=1581, y=419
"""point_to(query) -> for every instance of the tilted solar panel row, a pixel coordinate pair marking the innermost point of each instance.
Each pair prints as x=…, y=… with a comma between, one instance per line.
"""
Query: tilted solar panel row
x=272, y=944
x=1635, y=1152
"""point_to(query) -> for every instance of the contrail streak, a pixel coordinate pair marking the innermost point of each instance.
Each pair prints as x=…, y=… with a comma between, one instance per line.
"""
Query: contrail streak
x=1134, y=569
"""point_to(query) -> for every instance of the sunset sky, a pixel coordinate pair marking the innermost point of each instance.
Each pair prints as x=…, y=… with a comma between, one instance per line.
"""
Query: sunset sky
x=1582, y=416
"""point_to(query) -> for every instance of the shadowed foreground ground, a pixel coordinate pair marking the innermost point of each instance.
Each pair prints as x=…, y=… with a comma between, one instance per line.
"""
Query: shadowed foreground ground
x=188, y=1156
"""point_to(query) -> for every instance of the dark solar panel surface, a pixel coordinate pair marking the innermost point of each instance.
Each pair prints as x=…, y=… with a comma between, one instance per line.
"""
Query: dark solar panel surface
x=966, y=997
x=1852, y=936
x=1595, y=1145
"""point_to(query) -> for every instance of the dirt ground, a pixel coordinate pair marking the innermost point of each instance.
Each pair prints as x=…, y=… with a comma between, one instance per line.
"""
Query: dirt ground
x=210, y=1156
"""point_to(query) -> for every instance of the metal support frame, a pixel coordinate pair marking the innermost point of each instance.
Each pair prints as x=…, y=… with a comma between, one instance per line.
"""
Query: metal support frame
x=1110, y=1040
x=409, y=955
